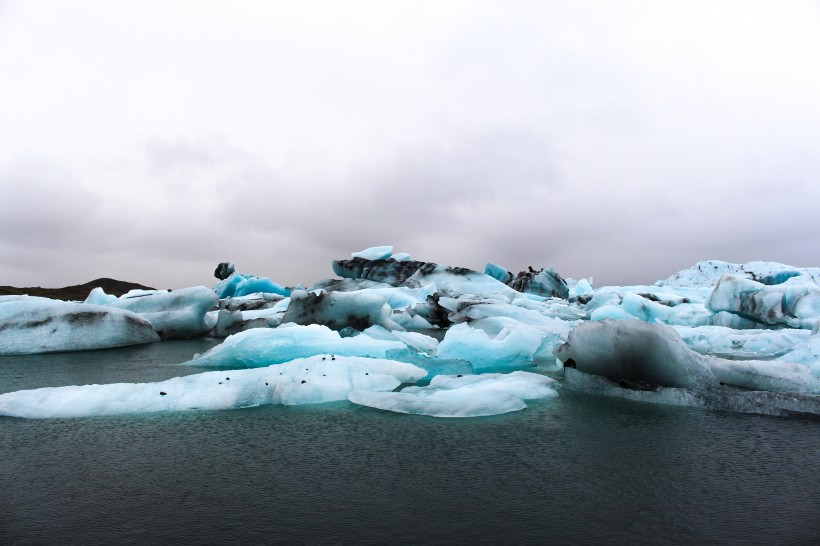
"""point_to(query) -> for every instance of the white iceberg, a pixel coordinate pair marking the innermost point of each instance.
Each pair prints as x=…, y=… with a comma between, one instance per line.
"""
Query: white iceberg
x=462, y=396
x=303, y=381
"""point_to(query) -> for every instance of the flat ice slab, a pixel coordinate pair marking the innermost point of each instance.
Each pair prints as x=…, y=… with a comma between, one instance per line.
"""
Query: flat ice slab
x=462, y=396
x=303, y=381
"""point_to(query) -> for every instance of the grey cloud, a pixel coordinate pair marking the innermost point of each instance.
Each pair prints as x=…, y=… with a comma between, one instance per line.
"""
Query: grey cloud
x=610, y=142
x=44, y=206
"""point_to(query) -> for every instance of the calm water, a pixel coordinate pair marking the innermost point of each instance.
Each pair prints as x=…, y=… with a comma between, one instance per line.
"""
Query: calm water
x=576, y=469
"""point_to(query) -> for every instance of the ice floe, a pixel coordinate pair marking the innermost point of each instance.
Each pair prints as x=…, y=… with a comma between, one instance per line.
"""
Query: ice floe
x=30, y=325
x=462, y=396
x=301, y=381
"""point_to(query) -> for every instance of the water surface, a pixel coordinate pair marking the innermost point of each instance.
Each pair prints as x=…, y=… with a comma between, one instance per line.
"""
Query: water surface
x=576, y=469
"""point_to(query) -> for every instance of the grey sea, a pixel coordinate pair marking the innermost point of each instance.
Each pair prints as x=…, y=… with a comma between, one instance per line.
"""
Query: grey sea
x=577, y=469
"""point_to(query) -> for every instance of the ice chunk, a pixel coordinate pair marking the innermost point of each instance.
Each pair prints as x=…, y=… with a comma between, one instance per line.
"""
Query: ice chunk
x=580, y=288
x=263, y=347
x=435, y=366
x=97, y=296
x=708, y=273
x=466, y=402
x=497, y=272
x=741, y=344
x=421, y=343
x=545, y=282
x=807, y=353
x=772, y=375
x=238, y=285
x=30, y=325
x=610, y=312
x=410, y=320
x=304, y=381
x=387, y=271
x=723, y=398
x=465, y=396
x=524, y=385
x=635, y=352
x=459, y=280
x=340, y=309
x=793, y=302
x=492, y=344
x=645, y=356
x=735, y=322
x=374, y=253
x=180, y=313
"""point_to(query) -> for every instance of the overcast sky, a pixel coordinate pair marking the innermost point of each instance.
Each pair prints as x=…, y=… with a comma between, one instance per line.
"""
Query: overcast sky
x=148, y=141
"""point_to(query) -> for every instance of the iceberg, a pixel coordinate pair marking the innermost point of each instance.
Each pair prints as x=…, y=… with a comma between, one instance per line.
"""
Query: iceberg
x=492, y=344
x=311, y=380
x=339, y=310
x=262, y=347
x=795, y=303
x=741, y=344
x=497, y=272
x=30, y=325
x=374, y=253
x=462, y=396
x=635, y=352
x=761, y=375
x=806, y=353
x=545, y=282
x=238, y=285
x=180, y=313
x=718, y=398
x=640, y=356
x=415, y=274
x=706, y=274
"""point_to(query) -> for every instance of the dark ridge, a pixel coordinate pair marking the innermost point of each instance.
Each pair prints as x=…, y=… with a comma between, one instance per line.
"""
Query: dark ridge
x=76, y=292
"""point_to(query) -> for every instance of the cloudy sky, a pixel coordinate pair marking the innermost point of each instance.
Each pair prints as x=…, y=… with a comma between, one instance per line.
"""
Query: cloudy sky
x=148, y=141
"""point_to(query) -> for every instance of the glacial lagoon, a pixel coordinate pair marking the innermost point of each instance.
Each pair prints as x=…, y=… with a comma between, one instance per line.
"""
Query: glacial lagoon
x=574, y=469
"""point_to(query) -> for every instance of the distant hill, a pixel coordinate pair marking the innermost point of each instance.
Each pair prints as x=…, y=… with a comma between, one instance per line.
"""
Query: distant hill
x=76, y=292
